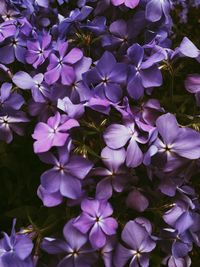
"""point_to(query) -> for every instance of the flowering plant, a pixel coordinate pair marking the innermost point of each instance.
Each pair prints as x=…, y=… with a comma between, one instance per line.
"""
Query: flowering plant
x=99, y=133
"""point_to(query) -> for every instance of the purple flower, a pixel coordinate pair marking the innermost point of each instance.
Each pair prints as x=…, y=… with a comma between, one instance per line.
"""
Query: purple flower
x=37, y=85
x=66, y=175
x=116, y=176
x=96, y=220
x=62, y=65
x=155, y=9
x=15, y=250
x=117, y=136
x=107, y=77
x=49, y=199
x=176, y=142
x=52, y=133
x=137, y=201
x=192, y=85
x=171, y=261
x=9, y=100
x=14, y=47
x=137, y=236
x=122, y=33
x=10, y=123
x=72, y=110
x=78, y=252
x=38, y=50
x=128, y=3
x=7, y=29
x=142, y=74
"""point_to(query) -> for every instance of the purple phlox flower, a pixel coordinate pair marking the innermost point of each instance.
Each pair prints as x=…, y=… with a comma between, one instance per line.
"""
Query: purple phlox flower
x=77, y=15
x=48, y=107
x=137, y=201
x=192, y=85
x=52, y=133
x=13, y=47
x=156, y=9
x=62, y=65
x=79, y=91
x=117, y=136
x=7, y=29
x=78, y=252
x=180, y=219
x=12, y=122
x=15, y=250
x=176, y=143
x=107, y=77
x=128, y=3
x=39, y=88
x=38, y=49
x=96, y=220
x=137, y=236
x=122, y=33
x=72, y=110
x=9, y=100
x=116, y=175
x=149, y=111
x=97, y=25
x=171, y=261
x=66, y=175
x=142, y=74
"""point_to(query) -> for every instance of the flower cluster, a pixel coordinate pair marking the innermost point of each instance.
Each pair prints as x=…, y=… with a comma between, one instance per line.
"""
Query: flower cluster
x=91, y=84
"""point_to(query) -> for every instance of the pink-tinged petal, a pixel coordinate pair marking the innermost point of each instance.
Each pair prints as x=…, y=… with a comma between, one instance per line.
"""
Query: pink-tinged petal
x=42, y=145
x=62, y=48
x=54, y=62
x=134, y=156
x=105, y=209
x=83, y=223
x=73, y=56
x=69, y=124
x=52, y=75
x=41, y=131
x=79, y=166
x=113, y=159
x=109, y=226
x=97, y=237
x=67, y=75
x=59, y=139
x=117, y=2
x=116, y=136
x=131, y=3
x=54, y=121
x=70, y=187
x=90, y=206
